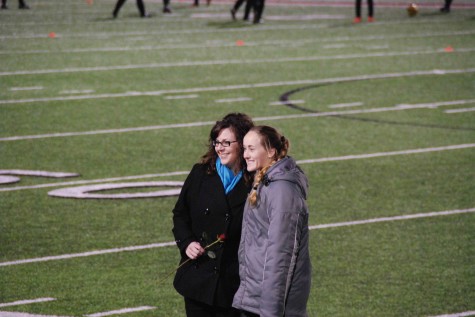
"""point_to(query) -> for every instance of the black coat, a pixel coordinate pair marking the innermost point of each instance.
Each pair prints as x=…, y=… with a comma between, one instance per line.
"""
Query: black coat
x=203, y=211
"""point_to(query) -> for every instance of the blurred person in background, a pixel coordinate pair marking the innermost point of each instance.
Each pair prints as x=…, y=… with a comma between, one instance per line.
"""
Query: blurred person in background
x=140, y=6
x=21, y=5
x=274, y=260
x=358, y=11
x=247, y=9
x=446, y=7
x=211, y=204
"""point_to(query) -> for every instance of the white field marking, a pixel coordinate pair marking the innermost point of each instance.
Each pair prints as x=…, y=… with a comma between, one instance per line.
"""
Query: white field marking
x=26, y=302
x=310, y=161
x=26, y=88
x=308, y=17
x=169, y=32
x=438, y=104
x=288, y=102
x=276, y=17
x=230, y=100
x=95, y=181
x=13, y=314
x=229, y=62
x=232, y=44
x=70, y=92
x=237, y=30
x=460, y=110
x=197, y=124
x=173, y=243
x=385, y=154
x=38, y=173
x=89, y=253
x=463, y=314
x=182, y=97
x=346, y=105
x=122, y=311
x=395, y=218
x=90, y=191
x=336, y=45
x=245, y=86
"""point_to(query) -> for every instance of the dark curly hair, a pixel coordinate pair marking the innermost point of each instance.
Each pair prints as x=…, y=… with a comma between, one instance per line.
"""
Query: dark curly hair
x=240, y=124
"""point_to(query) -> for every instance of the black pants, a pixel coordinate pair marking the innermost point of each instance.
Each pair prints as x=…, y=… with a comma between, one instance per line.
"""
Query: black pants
x=258, y=9
x=21, y=3
x=198, y=309
x=247, y=9
x=370, y=8
x=447, y=4
x=247, y=314
x=120, y=3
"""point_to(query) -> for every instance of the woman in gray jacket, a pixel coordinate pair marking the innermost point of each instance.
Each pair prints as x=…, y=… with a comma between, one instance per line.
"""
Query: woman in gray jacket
x=274, y=261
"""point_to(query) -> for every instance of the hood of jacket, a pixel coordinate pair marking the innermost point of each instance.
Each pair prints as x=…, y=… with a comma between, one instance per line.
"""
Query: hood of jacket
x=287, y=170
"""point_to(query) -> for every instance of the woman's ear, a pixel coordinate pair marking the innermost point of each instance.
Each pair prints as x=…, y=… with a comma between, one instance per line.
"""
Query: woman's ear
x=271, y=153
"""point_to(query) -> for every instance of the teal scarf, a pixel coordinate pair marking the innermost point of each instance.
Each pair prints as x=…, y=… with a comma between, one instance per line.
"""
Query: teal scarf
x=227, y=176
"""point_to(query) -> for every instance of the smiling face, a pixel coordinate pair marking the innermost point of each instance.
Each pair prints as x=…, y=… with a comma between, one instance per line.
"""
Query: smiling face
x=229, y=155
x=255, y=154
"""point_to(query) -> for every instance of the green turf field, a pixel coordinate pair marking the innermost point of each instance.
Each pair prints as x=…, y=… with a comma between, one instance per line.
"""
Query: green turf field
x=380, y=117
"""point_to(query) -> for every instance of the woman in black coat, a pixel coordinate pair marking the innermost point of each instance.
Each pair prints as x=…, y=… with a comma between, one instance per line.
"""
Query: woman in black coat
x=209, y=212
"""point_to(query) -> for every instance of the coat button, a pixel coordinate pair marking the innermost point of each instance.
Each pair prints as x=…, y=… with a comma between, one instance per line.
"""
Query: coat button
x=227, y=217
x=216, y=270
x=207, y=211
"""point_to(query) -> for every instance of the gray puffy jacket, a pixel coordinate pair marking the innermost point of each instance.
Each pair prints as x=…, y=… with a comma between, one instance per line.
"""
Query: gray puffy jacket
x=274, y=262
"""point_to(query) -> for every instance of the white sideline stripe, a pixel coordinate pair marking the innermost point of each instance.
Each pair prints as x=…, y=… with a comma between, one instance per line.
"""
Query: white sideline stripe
x=464, y=314
x=309, y=161
x=395, y=218
x=287, y=102
x=230, y=100
x=197, y=124
x=122, y=311
x=166, y=244
x=346, y=105
x=227, y=62
x=89, y=253
x=26, y=88
x=83, y=182
x=13, y=314
x=231, y=44
x=245, y=86
x=27, y=301
x=460, y=110
x=384, y=154
x=182, y=97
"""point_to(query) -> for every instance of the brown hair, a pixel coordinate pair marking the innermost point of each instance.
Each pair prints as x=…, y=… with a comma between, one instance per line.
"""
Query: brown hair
x=270, y=139
x=240, y=124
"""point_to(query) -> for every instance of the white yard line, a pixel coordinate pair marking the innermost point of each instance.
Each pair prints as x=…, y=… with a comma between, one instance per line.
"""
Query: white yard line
x=234, y=87
x=345, y=105
x=172, y=243
x=205, y=31
x=460, y=110
x=287, y=102
x=244, y=86
x=122, y=311
x=308, y=161
x=232, y=100
x=395, y=218
x=14, y=314
x=463, y=314
x=94, y=181
x=27, y=302
x=181, y=97
x=385, y=154
x=228, y=62
x=26, y=88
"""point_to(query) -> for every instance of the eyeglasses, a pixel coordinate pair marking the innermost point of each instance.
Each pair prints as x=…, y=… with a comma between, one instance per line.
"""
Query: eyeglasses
x=223, y=143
